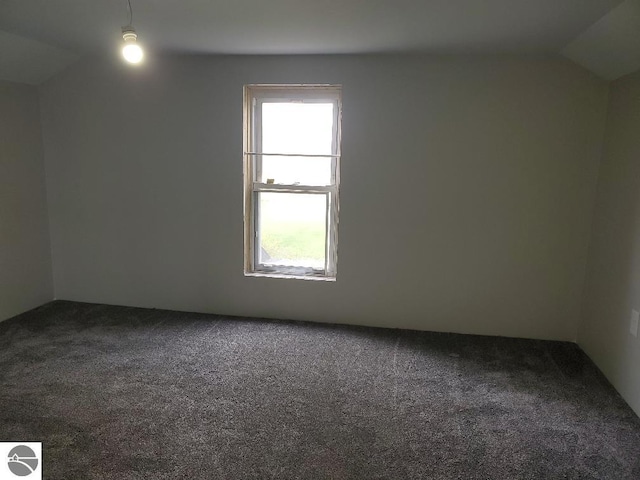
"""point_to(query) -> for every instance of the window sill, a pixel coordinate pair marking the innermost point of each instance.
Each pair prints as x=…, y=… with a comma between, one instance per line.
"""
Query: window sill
x=290, y=277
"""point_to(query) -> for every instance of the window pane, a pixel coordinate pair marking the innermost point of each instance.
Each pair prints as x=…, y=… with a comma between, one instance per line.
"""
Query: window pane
x=305, y=128
x=296, y=170
x=292, y=229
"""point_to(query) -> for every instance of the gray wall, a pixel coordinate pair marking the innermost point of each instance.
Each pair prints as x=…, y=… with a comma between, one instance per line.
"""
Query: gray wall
x=25, y=254
x=466, y=196
x=613, y=282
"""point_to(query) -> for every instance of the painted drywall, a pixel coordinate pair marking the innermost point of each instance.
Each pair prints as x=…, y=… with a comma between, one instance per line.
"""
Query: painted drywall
x=466, y=194
x=613, y=281
x=25, y=254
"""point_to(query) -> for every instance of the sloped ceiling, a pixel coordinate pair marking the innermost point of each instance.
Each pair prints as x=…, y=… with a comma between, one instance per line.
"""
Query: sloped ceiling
x=40, y=37
x=25, y=60
x=611, y=46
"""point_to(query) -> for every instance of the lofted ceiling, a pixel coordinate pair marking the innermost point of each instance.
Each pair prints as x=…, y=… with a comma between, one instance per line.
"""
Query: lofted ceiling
x=73, y=28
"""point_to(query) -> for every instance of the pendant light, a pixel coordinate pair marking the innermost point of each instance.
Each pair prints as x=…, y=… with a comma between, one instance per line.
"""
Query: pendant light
x=131, y=51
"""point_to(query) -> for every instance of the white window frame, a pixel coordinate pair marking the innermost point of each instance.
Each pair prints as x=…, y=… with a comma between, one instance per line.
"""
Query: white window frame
x=254, y=97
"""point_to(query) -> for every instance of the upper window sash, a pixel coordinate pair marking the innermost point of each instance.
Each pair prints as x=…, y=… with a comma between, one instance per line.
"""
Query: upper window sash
x=260, y=94
x=255, y=142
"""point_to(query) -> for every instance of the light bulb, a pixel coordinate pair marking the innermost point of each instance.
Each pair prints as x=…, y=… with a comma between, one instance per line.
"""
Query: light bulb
x=131, y=51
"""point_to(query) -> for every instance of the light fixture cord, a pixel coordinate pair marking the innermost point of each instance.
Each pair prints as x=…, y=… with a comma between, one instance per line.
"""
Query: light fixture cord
x=130, y=13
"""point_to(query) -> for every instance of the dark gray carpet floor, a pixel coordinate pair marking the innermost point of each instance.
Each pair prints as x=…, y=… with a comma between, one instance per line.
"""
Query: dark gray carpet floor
x=127, y=393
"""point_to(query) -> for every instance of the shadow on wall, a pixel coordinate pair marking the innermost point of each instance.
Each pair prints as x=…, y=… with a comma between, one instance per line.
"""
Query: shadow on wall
x=612, y=289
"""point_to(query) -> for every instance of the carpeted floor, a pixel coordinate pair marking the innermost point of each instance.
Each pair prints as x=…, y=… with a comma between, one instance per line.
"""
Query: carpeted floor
x=127, y=393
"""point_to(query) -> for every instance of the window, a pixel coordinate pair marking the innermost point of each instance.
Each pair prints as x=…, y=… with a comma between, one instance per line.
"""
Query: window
x=292, y=173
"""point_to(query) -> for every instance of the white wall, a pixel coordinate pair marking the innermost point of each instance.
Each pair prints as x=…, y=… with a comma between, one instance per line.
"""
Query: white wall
x=613, y=282
x=466, y=195
x=25, y=255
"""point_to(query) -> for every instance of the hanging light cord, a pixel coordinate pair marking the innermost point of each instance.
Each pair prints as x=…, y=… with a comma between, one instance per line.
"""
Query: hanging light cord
x=130, y=13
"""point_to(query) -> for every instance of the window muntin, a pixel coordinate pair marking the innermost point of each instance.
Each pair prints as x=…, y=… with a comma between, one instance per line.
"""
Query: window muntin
x=292, y=157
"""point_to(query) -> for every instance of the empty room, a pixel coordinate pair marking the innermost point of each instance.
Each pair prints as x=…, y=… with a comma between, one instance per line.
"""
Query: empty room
x=308, y=239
